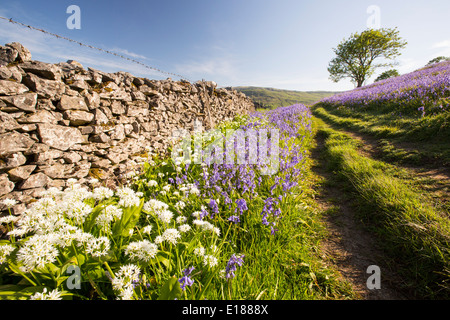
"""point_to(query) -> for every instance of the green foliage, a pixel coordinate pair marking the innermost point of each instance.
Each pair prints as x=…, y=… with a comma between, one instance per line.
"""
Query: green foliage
x=387, y=74
x=355, y=56
x=437, y=60
x=411, y=230
x=269, y=98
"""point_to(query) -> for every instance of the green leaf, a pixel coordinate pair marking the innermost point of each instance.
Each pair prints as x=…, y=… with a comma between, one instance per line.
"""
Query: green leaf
x=170, y=290
x=130, y=217
x=90, y=220
x=14, y=292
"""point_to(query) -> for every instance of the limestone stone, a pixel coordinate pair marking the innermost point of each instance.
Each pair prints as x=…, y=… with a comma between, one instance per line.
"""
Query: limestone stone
x=117, y=108
x=12, y=161
x=16, y=73
x=78, y=117
x=5, y=73
x=46, y=89
x=41, y=116
x=25, y=102
x=57, y=170
x=21, y=173
x=42, y=69
x=100, y=117
x=6, y=186
x=92, y=99
x=13, y=142
x=116, y=157
x=72, y=157
x=7, y=55
x=23, y=54
x=119, y=132
x=44, y=158
x=59, y=137
x=8, y=123
x=10, y=88
x=72, y=103
x=38, y=180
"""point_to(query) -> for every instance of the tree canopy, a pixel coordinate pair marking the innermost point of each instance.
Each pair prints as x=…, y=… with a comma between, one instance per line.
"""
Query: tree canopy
x=438, y=59
x=355, y=56
x=387, y=74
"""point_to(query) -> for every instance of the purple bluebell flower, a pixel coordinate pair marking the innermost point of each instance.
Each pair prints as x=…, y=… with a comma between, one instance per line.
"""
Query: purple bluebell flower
x=241, y=205
x=185, y=280
x=234, y=219
x=231, y=265
x=214, y=207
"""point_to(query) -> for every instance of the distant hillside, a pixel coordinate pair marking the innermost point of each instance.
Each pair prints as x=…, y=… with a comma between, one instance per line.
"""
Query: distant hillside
x=272, y=98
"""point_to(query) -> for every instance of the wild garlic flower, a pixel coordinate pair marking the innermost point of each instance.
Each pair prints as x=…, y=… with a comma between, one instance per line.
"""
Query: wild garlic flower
x=171, y=236
x=184, y=228
x=154, y=205
x=141, y=250
x=152, y=183
x=8, y=219
x=147, y=229
x=101, y=193
x=5, y=251
x=165, y=216
x=128, y=197
x=9, y=202
x=159, y=240
x=210, y=260
x=200, y=251
x=125, y=278
x=180, y=205
x=52, y=295
x=37, y=252
x=78, y=211
x=181, y=219
x=98, y=247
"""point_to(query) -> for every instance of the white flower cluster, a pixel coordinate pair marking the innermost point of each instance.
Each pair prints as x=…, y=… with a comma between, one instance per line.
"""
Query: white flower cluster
x=107, y=216
x=124, y=280
x=9, y=202
x=208, y=259
x=52, y=295
x=141, y=250
x=171, y=236
x=189, y=188
x=128, y=198
x=206, y=226
x=160, y=209
x=5, y=251
x=152, y=183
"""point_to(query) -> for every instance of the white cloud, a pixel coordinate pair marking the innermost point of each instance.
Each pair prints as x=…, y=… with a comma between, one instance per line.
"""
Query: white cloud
x=46, y=48
x=128, y=53
x=216, y=68
x=442, y=44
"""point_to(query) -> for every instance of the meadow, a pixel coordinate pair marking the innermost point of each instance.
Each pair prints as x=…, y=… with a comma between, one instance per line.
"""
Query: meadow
x=194, y=227
x=181, y=229
x=389, y=142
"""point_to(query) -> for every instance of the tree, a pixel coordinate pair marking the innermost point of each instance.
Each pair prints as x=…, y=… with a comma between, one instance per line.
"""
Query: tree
x=438, y=59
x=387, y=74
x=355, y=56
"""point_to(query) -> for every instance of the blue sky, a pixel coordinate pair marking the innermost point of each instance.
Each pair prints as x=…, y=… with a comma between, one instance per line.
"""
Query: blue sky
x=284, y=44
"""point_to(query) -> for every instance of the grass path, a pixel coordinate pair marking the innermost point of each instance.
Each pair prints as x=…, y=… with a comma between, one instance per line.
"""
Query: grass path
x=405, y=209
x=348, y=247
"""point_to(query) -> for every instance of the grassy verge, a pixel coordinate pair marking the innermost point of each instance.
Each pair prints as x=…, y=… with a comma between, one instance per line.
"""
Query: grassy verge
x=412, y=232
x=181, y=229
x=425, y=139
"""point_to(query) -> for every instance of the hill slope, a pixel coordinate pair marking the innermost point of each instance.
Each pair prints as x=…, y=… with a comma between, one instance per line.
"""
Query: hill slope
x=272, y=98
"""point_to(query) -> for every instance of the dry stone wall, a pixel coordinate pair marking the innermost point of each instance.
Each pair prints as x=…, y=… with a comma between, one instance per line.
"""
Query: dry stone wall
x=61, y=121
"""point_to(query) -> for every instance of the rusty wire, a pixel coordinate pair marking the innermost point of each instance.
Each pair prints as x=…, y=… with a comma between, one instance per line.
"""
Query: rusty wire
x=96, y=48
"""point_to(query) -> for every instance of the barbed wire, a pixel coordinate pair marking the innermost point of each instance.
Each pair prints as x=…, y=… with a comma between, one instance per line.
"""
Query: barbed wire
x=96, y=48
